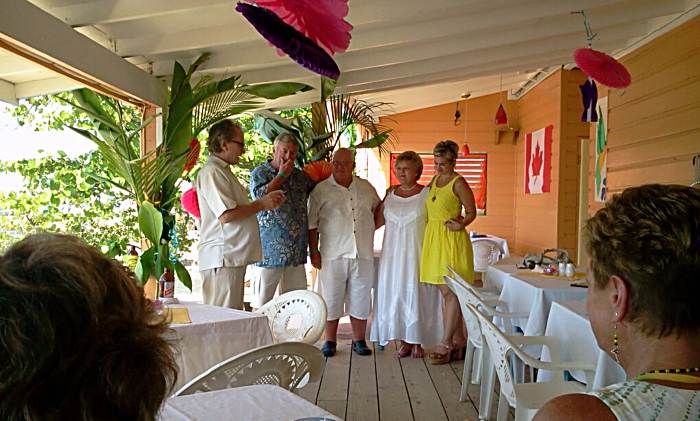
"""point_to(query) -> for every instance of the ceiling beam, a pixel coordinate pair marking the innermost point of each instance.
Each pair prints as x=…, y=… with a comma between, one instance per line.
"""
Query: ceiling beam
x=45, y=87
x=59, y=48
x=7, y=92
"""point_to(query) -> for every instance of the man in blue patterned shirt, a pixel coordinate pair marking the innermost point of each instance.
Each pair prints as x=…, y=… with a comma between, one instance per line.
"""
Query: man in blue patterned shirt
x=283, y=231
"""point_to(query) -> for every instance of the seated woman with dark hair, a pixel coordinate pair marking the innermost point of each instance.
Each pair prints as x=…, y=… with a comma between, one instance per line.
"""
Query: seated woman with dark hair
x=78, y=340
x=643, y=306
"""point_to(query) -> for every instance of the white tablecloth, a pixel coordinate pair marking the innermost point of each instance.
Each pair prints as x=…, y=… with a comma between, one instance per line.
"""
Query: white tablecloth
x=496, y=274
x=254, y=403
x=533, y=294
x=568, y=322
x=215, y=334
x=502, y=243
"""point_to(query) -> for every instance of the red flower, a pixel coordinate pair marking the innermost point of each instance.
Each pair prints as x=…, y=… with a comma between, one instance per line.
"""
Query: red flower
x=190, y=203
x=318, y=170
x=192, y=155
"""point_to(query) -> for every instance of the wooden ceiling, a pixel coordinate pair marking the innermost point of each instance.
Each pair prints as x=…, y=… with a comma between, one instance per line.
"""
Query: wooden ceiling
x=412, y=53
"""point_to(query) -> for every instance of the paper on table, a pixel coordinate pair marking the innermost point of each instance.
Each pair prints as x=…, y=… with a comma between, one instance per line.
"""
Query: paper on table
x=177, y=315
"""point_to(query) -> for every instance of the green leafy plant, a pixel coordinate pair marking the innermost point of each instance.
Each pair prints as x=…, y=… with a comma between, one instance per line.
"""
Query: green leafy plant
x=152, y=179
x=320, y=133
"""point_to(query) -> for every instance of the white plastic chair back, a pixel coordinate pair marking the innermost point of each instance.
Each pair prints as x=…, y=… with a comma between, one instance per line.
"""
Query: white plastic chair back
x=465, y=297
x=289, y=365
x=296, y=316
x=486, y=252
x=499, y=346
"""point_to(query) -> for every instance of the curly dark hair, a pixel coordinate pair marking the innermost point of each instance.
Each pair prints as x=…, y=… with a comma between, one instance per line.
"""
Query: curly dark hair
x=650, y=237
x=78, y=339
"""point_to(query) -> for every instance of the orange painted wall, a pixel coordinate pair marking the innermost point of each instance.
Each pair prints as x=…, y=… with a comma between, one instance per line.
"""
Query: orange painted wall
x=654, y=124
x=420, y=130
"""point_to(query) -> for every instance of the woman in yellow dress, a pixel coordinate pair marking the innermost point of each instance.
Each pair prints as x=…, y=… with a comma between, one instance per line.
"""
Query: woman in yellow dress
x=447, y=243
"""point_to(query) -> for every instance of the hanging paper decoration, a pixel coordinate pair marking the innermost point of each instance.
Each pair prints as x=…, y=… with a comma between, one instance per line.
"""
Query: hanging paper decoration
x=538, y=161
x=295, y=44
x=190, y=203
x=589, y=92
x=602, y=68
x=601, y=152
x=318, y=170
x=192, y=155
x=465, y=150
x=320, y=20
x=501, y=117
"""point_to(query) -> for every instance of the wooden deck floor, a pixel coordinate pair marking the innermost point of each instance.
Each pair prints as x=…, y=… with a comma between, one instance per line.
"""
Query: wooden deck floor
x=383, y=387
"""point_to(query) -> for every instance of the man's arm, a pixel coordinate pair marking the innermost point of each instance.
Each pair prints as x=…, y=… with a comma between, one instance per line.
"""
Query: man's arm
x=314, y=253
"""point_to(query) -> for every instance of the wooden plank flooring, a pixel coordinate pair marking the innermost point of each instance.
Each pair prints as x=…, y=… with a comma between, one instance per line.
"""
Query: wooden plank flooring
x=383, y=387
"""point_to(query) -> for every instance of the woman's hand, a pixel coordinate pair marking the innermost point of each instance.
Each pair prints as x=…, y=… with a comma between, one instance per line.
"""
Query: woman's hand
x=455, y=224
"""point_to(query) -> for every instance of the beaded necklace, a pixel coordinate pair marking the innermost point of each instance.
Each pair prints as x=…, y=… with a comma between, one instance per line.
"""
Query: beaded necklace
x=680, y=375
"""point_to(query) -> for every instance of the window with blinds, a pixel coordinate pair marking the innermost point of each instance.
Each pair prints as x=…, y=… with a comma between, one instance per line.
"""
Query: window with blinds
x=472, y=167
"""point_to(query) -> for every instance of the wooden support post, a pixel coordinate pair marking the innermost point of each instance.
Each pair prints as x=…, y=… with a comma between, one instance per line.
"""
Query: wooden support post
x=147, y=143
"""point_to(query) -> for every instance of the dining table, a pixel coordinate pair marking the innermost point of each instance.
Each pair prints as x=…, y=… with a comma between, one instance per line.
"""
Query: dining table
x=568, y=322
x=254, y=403
x=533, y=293
x=214, y=334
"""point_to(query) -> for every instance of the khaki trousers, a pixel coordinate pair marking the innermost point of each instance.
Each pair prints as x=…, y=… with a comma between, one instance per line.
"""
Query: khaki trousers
x=289, y=278
x=223, y=286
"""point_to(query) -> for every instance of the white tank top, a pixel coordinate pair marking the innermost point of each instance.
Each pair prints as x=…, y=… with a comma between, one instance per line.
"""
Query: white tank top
x=641, y=401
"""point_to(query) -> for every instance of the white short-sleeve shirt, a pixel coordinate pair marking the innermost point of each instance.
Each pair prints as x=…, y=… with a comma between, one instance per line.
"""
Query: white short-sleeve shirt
x=344, y=218
x=236, y=243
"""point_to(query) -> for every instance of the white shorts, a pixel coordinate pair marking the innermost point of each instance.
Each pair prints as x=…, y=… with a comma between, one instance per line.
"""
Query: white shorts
x=289, y=278
x=346, y=286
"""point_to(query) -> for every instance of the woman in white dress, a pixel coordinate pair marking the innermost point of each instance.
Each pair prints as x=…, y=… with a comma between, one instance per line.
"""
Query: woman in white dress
x=404, y=308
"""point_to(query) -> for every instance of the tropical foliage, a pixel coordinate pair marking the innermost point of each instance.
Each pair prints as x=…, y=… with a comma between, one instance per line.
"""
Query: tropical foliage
x=152, y=180
x=330, y=120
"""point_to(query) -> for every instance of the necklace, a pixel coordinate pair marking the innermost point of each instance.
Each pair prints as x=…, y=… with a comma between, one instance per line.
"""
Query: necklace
x=402, y=188
x=680, y=375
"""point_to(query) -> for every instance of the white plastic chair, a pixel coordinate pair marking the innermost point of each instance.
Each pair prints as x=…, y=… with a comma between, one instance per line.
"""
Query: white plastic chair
x=290, y=365
x=475, y=344
x=527, y=398
x=296, y=316
x=490, y=295
x=486, y=252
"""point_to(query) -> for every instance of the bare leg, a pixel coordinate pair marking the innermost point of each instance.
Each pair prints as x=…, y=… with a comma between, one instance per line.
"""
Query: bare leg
x=452, y=314
x=359, y=328
x=332, y=330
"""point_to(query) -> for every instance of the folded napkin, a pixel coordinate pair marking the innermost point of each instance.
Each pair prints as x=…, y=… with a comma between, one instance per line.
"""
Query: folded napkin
x=177, y=315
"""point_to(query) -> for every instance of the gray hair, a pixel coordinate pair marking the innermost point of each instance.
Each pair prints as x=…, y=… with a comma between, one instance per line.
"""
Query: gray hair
x=284, y=137
x=220, y=133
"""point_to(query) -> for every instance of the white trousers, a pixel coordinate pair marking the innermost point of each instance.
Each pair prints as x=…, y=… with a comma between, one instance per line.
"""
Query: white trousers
x=289, y=278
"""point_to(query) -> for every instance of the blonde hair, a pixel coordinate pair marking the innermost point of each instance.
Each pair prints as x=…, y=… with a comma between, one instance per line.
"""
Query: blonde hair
x=447, y=149
x=410, y=156
x=650, y=237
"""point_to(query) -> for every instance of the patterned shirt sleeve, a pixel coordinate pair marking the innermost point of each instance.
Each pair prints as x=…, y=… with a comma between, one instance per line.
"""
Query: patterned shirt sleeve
x=258, y=182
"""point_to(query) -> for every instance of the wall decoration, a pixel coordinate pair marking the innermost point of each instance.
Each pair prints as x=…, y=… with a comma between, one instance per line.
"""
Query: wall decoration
x=538, y=161
x=601, y=151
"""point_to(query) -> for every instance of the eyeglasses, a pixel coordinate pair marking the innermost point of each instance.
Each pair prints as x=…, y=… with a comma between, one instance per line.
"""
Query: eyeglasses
x=241, y=144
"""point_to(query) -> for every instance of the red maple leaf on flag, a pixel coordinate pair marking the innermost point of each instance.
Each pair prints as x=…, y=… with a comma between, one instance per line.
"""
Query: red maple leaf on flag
x=537, y=161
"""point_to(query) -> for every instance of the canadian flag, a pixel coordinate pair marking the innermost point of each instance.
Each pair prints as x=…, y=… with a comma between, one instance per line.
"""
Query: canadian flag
x=538, y=161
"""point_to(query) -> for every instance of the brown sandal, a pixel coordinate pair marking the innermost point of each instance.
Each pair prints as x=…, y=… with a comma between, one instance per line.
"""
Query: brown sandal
x=404, y=351
x=417, y=352
x=441, y=358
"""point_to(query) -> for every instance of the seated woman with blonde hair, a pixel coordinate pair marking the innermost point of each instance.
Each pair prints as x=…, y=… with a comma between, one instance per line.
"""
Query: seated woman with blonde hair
x=643, y=306
x=78, y=340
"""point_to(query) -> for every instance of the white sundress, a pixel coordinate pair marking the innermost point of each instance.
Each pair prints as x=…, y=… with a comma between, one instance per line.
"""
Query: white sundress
x=404, y=308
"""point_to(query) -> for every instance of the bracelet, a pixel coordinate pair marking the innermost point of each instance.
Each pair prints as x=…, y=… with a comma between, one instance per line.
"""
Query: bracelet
x=281, y=173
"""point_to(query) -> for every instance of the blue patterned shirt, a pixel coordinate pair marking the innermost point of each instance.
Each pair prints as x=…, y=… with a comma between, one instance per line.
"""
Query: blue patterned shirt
x=283, y=231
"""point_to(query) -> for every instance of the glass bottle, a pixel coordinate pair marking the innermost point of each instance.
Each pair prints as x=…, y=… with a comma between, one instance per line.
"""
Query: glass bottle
x=167, y=284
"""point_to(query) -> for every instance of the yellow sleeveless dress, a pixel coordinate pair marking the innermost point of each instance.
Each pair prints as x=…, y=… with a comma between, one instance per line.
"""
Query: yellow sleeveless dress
x=442, y=247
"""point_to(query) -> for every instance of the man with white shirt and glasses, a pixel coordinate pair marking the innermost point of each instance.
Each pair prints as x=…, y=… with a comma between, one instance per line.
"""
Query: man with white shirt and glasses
x=341, y=234
x=228, y=230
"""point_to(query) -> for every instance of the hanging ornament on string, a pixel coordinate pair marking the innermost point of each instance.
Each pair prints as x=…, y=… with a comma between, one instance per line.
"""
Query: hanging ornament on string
x=464, y=152
x=285, y=37
x=501, y=116
x=599, y=67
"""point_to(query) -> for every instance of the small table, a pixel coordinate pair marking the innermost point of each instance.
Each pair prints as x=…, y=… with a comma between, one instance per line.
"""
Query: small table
x=532, y=293
x=215, y=334
x=568, y=322
x=255, y=403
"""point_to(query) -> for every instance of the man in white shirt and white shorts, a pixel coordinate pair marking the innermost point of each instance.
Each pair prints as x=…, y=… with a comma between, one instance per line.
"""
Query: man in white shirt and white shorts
x=341, y=213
